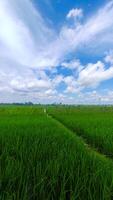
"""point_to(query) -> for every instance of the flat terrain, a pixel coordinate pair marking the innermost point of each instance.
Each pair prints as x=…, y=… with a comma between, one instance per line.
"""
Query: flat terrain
x=56, y=153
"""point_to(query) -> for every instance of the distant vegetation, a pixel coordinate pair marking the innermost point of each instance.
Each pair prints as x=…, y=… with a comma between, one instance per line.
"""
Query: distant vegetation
x=64, y=153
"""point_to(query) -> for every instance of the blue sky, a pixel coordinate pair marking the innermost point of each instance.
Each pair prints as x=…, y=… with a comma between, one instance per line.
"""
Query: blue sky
x=56, y=51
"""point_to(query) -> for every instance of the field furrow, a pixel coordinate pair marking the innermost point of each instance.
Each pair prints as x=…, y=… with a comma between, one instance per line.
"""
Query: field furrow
x=93, y=124
x=87, y=145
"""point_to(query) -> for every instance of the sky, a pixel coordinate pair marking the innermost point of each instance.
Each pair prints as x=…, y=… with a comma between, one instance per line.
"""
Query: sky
x=56, y=51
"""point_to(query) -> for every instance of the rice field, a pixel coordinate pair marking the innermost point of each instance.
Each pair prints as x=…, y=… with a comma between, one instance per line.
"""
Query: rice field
x=64, y=153
x=94, y=124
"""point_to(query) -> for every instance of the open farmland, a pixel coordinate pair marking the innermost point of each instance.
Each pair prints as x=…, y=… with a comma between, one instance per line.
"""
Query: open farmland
x=62, y=154
x=93, y=124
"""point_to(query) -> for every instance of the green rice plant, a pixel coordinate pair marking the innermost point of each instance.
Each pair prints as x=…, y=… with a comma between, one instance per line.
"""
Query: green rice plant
x=94, y=124
x=41, y=159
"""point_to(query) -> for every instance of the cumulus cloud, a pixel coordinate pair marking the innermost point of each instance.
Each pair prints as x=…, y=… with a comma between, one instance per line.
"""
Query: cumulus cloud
x=75, y=13
x=93, y=74
x=90, y=76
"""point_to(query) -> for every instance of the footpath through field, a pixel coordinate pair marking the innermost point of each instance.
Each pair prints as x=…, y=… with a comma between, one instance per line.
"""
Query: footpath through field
x=86, y=144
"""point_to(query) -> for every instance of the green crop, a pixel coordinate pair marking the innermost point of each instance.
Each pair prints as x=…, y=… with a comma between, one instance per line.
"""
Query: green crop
x=94, y=124
x=41, y=159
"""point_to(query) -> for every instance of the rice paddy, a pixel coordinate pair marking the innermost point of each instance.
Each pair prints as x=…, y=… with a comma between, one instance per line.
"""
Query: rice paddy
x=56, y=153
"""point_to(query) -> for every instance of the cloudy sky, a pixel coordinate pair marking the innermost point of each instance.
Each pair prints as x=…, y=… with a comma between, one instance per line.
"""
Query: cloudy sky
x=56, y=51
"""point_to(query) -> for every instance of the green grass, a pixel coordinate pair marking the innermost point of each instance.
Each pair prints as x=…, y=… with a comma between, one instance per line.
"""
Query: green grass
x=40, y=159
x=94, y=124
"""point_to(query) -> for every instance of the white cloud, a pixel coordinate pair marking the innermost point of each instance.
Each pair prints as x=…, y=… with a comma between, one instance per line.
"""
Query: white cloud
x=109, y=57
x=90, y=76
x=72, y=85
x=22, y=32
x=26, y=38
x=27, y=43
x=96, y=31
x=75, y=13
x=73, y=65
x=93, y=74
x=95, y=97
x=57, y=80
x=29, y=84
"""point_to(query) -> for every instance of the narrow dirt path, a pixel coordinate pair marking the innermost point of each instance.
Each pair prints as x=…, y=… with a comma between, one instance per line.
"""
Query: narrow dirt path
x=87, y=145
